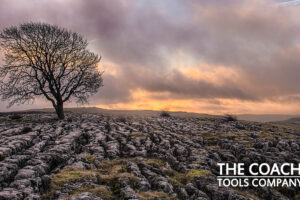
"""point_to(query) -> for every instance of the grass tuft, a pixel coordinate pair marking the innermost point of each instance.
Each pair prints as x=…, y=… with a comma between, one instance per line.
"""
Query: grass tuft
x=154, y=195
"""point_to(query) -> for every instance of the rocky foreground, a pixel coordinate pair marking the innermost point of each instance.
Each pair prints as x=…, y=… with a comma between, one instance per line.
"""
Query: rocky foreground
x=99, y=157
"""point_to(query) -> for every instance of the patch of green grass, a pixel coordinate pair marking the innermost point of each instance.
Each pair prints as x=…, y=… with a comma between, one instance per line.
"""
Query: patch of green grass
x=177, y=179
x=68, y=175
x=90, y=158
x=109, y=171
x=198, y=172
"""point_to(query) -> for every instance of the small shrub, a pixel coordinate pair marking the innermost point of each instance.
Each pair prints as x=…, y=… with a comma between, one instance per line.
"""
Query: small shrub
x=15, y=117
x=3, y=156
x=108, y=127
x=230, y=118
x=26, y=130
x=164, y=114
x=69, y=120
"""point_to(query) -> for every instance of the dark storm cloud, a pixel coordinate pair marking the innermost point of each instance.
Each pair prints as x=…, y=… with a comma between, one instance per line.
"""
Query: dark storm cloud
x=258, y=39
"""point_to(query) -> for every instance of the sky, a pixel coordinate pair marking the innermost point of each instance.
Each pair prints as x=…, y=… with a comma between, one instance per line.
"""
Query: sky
x=215, y=57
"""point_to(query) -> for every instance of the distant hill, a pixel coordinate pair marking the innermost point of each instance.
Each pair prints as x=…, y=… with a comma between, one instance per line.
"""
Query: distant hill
x=95, y=110
x=153, y=113
x=266, y=118
x=293, y=122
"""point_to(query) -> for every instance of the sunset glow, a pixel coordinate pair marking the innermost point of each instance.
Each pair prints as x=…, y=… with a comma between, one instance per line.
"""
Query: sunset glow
x=143, y=100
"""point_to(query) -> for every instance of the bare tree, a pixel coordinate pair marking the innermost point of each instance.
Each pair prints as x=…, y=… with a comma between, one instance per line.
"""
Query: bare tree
x=49, y=61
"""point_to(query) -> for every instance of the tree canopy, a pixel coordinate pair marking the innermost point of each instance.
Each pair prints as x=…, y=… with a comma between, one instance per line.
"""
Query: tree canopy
x=49, y=61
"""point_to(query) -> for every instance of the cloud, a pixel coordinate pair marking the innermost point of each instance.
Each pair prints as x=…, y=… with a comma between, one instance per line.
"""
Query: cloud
x=232, y=50
x=290, y=3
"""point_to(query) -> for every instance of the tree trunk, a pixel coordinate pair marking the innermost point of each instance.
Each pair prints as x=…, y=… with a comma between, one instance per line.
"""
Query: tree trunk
x=60, y=110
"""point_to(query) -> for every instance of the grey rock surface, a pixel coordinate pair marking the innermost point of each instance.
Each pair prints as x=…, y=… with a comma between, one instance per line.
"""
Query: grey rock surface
x=91, y=156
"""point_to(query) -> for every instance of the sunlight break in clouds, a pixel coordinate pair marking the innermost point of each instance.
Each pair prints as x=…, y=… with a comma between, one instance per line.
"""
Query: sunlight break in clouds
x=236, y=56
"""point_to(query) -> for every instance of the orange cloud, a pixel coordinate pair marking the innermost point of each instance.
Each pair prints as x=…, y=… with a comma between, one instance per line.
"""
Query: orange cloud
x=210, y=74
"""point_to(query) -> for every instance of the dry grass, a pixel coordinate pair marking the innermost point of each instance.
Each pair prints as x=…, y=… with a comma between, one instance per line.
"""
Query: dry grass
x=153, y=195
x=273, y=136
x=138, y=134
x=109, y=172
x=198, y=172
x=211, y=138
x=213, y=147
x=155, y=162
x=105, y=166
x=70, y=174
x=99, y=191
x=178, y=179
